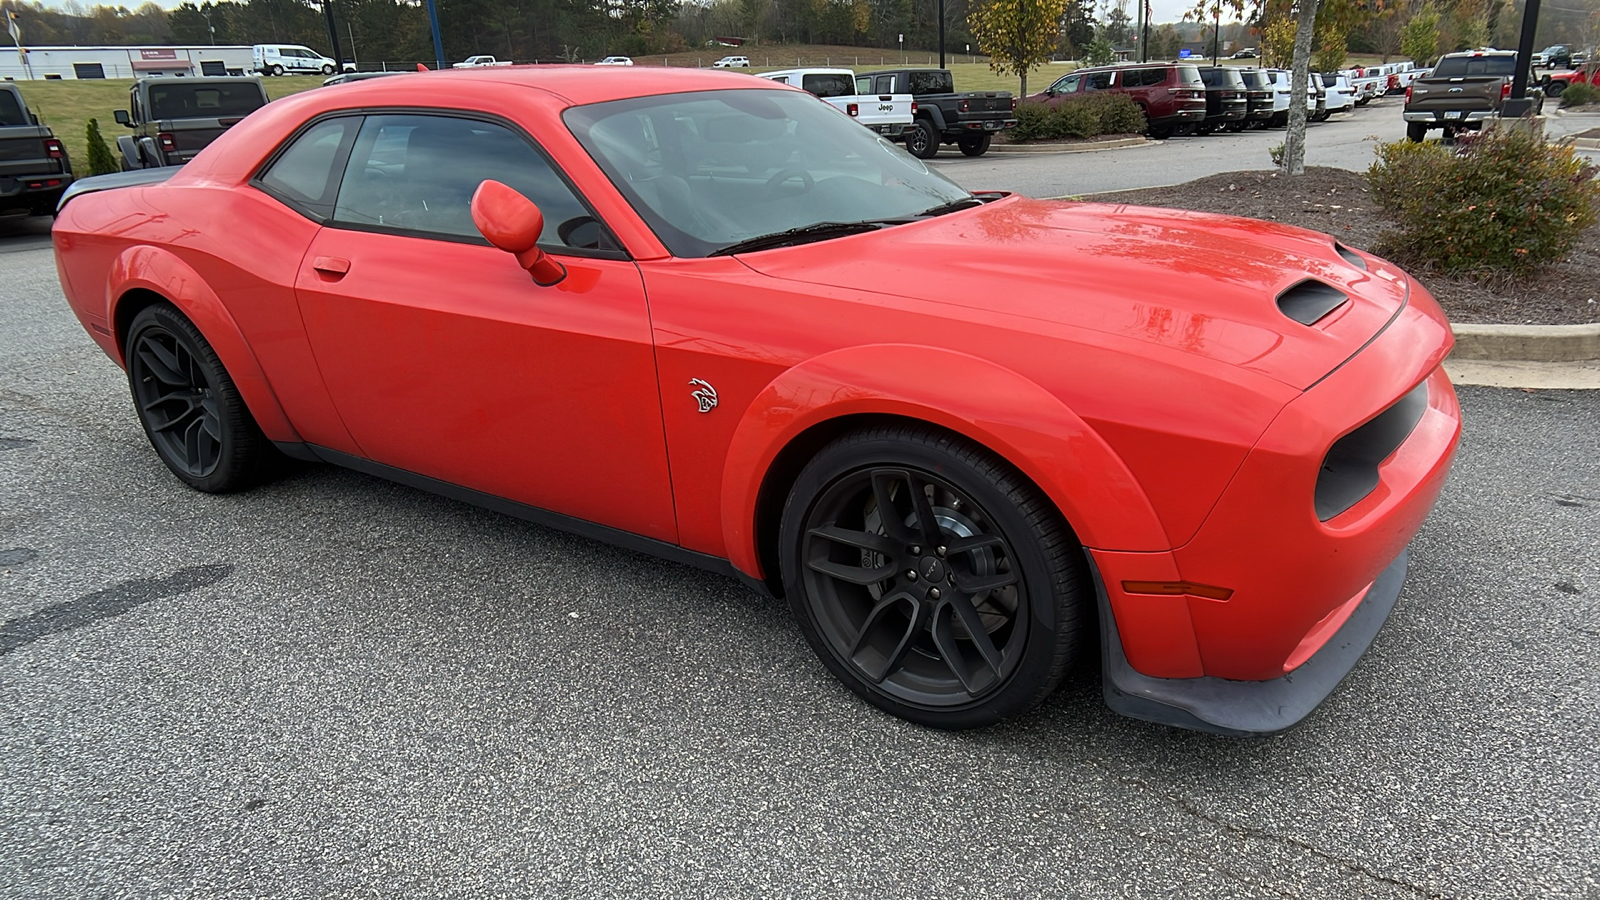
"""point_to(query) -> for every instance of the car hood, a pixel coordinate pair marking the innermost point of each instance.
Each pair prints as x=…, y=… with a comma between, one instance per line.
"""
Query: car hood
x=1199, y=283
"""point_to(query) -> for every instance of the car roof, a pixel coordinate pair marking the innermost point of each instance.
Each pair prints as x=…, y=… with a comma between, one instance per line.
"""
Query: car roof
x=576, y=84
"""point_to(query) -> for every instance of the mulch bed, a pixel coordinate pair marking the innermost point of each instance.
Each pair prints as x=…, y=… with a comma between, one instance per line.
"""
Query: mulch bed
x=1336, y=201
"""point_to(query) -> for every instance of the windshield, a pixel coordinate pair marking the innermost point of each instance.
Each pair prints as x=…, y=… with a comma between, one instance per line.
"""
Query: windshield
x=710, y=169
x=1457, y=66
x=204, y=101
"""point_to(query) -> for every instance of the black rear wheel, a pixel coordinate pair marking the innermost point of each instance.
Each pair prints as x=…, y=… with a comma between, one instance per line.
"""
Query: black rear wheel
x=922, y=141
x=1416, y=132
x=189, y=407
x=932, y=579
x=975, y=145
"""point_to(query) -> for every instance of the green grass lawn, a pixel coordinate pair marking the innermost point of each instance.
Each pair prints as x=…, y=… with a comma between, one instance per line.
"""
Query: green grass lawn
x=67, y=107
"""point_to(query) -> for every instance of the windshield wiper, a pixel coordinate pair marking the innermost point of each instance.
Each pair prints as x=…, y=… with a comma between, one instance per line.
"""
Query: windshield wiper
x=820, y=231
x=952, y=206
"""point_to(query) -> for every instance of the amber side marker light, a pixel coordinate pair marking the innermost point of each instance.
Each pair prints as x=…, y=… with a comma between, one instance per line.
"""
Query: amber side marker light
x=1172, y=588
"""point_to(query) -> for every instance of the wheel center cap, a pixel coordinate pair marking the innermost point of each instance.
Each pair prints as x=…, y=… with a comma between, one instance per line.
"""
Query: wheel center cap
x=932, y=569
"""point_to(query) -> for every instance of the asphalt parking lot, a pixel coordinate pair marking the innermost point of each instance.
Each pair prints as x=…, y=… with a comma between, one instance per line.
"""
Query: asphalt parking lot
x=336, y=686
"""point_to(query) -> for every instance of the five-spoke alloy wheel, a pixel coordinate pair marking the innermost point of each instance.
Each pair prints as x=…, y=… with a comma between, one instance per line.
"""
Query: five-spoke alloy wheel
x=188, y=405
x=932, y=579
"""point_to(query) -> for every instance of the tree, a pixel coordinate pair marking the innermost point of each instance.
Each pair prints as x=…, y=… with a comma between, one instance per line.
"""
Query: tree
x=1077, y=27
x=1118, y=27
x=1017, y=35
x=1165, y=42
x=1331, y=48
x=1277, y=43
x=1099, y=52
x=1419, y=40
x=101, y=162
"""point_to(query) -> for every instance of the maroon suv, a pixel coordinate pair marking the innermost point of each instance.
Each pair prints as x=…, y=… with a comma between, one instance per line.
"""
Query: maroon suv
x=1171, y=94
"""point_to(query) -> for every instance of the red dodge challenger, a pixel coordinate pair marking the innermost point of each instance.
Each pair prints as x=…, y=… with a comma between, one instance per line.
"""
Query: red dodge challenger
x=711, y=318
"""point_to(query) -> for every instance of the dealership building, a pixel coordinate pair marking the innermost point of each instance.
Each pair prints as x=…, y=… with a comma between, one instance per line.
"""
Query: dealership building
x=67, y=63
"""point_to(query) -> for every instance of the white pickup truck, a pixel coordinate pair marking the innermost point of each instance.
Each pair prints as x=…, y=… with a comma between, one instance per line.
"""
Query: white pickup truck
x=887, y=114
x=473, y=62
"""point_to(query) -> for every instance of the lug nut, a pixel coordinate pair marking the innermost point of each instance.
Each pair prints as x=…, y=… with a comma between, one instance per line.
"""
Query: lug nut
x=911, y=575
x=933, y=593
x=916, y=551
x=940, y=551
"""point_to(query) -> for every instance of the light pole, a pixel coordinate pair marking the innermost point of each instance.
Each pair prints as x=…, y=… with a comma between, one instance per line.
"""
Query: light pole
x=210, y=27
x=941, y=34
x=1216, y=35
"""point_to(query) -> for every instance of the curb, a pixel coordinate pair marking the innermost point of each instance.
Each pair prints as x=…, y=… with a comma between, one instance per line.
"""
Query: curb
x=1529, y=343
x=1117, y=144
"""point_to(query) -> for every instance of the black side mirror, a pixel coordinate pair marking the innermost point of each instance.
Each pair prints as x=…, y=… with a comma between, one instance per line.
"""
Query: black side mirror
x=122, y=117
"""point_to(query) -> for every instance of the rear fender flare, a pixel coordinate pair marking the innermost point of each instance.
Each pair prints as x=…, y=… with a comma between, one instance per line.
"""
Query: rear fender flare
x=130, y=151
x=145, y=268
x=1008, y=414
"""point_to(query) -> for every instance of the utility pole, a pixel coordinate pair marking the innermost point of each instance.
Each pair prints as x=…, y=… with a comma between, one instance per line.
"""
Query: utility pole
x=941, y=34
x=1139, y=31
x=1144, y=39
x=333, y=35
x=1216, y=34
x=438, y=45
x=1519, y=104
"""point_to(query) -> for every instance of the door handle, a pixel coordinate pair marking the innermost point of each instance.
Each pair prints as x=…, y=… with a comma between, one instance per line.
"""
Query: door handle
x=331, y=265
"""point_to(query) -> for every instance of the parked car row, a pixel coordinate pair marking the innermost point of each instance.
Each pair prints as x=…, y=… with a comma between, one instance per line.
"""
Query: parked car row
x=918, y=107
x=1184, y=98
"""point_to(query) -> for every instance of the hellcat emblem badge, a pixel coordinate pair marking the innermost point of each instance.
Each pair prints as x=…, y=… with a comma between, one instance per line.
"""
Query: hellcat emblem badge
x=706, y=396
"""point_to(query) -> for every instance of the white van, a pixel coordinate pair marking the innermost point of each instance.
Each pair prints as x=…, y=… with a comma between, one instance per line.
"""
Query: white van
x=290, y=59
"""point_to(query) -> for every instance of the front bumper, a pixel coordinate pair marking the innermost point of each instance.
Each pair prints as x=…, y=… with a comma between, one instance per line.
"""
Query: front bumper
x=1294, y=578
x=1248, y=708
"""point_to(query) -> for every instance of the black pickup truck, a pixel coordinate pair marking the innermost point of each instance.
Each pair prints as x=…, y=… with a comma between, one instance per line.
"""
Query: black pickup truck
x=34, y=169
x=175, y=118
x=968, y=120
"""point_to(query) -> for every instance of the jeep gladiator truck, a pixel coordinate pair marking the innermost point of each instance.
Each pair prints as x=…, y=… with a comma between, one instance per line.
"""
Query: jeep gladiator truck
x=1464, y=91
x=175, y=118
x=34, y=169
x=968, y=120
x=887, y=114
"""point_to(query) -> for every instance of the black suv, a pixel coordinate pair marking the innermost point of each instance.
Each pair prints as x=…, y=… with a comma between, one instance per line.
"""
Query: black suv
x=1227, y=100
x=34, y=169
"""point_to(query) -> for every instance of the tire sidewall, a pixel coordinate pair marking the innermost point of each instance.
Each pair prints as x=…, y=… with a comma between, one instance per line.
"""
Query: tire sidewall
x=231, y=472
x=1031, y=679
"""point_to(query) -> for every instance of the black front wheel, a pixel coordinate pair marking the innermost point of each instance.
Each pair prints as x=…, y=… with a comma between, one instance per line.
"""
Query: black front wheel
x=922, y=141
x=934, y=580
x=189, y=407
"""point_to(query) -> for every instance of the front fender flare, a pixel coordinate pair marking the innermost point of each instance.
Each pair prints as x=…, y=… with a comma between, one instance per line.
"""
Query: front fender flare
x=146, y=268
x=130, y=152
x=1010, y=415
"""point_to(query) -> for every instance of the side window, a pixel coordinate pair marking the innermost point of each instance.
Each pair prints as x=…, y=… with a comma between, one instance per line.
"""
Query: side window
x=1066, y=85
x=863, y=85
x=1099, y=81
x=417, y=173
x=885, y=85
x=305, y=175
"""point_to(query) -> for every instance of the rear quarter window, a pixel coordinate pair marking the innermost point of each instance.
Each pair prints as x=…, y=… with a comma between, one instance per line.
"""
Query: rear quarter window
x=305, y=174
x=1189, y=76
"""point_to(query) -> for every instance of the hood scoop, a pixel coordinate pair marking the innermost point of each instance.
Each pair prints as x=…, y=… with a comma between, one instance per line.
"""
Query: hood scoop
x=1310, y=300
